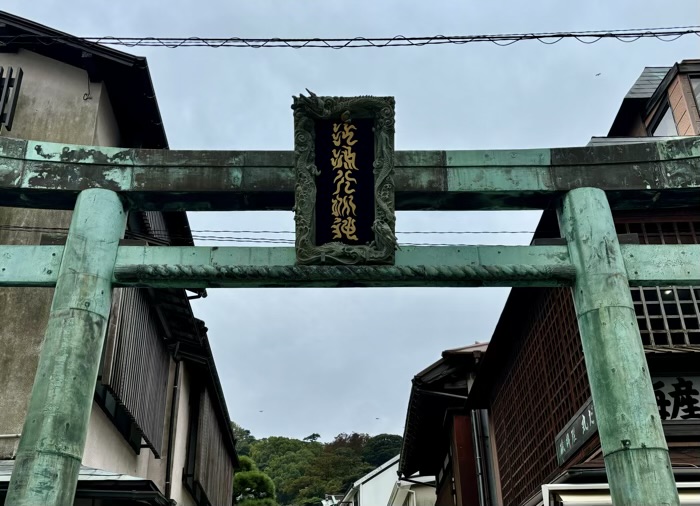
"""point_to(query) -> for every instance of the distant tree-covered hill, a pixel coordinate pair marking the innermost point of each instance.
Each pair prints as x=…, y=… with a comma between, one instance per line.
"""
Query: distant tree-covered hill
x=304, y=471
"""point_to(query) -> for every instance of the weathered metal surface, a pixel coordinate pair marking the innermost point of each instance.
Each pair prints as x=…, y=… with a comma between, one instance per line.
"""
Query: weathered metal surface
x=660, y=174
x=29, y=265
x=53, y=438
x=307, y=110
x=217, y=276
x=632, y=439
x=415, y=266
x=647, y=265
x=662, y=265
x=410, y=255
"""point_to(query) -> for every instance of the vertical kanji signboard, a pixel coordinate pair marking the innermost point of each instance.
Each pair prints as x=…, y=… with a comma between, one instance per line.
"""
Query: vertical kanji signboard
x=344, y=193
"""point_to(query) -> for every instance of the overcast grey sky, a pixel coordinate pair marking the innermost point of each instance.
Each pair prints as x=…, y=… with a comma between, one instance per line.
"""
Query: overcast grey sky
x=288, y=364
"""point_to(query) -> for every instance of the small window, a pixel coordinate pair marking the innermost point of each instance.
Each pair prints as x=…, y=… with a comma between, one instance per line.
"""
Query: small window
x=695, y=84
x=664, y=124
x=10, y=82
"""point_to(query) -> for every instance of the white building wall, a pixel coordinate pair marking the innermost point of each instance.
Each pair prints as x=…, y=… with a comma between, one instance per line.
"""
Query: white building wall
x=412, y=494
x=179, y=493
x=377, y=491
x=106, y=448
x=425, y=496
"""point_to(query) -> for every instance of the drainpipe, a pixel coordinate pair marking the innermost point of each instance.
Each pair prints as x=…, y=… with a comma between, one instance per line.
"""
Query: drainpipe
x=477, y=456
x=10, y=436
x=488, y=456
x=174, y=404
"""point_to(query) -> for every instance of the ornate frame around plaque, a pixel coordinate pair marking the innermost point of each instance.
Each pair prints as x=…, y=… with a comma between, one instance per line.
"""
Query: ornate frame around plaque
x=306, y=111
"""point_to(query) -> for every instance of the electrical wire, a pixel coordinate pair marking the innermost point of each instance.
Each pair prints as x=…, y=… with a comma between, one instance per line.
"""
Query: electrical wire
x=663, y=34
x=164, y=236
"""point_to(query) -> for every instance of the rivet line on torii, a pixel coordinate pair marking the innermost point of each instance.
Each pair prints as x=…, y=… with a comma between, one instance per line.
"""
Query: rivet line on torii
x=104, y=183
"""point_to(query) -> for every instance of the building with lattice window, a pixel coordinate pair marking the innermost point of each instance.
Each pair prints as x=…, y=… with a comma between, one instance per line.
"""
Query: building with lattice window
x=513, y=424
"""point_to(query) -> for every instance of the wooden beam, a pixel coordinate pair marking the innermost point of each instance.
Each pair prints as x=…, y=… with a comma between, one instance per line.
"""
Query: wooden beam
x=661, y=174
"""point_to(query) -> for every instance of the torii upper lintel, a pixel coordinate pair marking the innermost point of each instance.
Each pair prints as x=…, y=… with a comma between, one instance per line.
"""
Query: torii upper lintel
x=662, y=174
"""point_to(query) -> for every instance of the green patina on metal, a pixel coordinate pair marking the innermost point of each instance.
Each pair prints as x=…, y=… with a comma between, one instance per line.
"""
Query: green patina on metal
x=646, y=265
x=29, y=265
x=633, y=176
x=407, y=255
x=206, y=276
x=632, y=438
x=655, y=175
x=53, y=438
x=659, y=265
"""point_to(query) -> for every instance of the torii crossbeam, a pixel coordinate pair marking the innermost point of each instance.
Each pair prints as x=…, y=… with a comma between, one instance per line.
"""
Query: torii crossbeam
x=584, y=184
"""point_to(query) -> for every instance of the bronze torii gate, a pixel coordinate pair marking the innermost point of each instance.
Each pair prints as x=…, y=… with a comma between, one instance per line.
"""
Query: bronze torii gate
x=103, y=184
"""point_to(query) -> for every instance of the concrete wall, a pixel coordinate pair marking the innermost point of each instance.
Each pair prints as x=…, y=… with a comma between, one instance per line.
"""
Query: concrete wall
x=51, y=108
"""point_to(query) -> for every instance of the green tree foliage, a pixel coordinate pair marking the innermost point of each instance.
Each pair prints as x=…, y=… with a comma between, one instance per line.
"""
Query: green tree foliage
x=332, y=472
x=313, y=437
x=355, y=442
x=381, y=448
x=305, y=471
x=287, y=469
x=285, y=460
x=265, y=450
x=257, y=502
x=243, y=439
x=246, y=464
x=252, y=487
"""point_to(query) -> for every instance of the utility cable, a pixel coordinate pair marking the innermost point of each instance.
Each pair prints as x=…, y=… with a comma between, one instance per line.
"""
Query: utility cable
x=663, y=34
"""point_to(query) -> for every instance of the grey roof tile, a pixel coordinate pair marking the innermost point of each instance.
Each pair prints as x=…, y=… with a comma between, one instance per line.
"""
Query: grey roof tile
x=647, y=82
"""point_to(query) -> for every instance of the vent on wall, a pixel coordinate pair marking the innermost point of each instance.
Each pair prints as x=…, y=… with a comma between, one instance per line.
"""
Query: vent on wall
x=10, y=83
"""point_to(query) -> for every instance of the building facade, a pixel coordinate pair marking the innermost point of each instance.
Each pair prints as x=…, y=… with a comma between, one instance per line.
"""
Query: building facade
x=382, y=487
x=159, y=429
x=527, y=415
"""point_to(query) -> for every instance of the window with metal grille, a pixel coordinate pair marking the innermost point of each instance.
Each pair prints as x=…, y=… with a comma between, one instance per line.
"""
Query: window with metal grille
x=10, y=83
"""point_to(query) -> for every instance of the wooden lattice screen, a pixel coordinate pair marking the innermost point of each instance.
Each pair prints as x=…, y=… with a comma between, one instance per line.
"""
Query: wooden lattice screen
x=545, y=382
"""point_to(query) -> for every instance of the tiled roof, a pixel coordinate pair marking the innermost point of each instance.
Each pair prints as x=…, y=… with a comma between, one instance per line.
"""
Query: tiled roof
x=648, y=82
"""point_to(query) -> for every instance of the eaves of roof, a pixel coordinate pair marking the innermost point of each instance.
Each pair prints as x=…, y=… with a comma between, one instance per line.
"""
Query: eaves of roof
x=98, y=483
x=434, y=392
x=186, y=337
x=127, y=77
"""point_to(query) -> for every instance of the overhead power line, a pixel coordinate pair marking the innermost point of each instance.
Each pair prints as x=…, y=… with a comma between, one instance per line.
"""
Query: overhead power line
x=199, y=232
x=258, y=236
x=664, y=34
